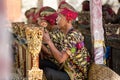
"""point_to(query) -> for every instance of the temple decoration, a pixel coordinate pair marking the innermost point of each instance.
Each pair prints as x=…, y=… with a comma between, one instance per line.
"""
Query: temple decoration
x=97, y=32
x=28, y=38
x=34, y=42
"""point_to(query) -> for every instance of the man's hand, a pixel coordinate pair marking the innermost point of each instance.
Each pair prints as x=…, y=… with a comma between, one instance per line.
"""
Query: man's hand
x=46, y=37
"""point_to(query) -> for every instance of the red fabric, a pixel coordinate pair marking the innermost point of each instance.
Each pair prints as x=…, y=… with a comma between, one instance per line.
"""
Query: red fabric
x=110, y=11
x=44, y=9
x=70, y=15
x=35, y=17
x=51, y=18
x=47, y=9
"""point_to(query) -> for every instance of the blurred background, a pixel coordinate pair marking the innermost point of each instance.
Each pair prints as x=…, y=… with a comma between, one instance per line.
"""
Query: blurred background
x=16, y=8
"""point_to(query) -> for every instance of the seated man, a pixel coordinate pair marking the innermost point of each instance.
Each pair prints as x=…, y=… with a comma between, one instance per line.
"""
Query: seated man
x=47, y=19
x=73, y=56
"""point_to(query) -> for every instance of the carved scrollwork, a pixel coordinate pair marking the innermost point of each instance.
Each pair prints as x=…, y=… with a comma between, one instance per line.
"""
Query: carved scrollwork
x=32, y=35
x=35, y=74
x=34, y=43
x=16, y=27
x=34, y=39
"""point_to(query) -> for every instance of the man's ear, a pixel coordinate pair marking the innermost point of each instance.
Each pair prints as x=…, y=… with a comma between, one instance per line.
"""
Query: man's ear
x=44, y=24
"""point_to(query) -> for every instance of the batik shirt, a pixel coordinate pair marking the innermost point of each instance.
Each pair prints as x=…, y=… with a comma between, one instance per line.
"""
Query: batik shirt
x=77, y=64
x=56, y=36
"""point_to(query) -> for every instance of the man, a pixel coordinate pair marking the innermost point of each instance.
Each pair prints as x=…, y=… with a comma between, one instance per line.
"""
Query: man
x=73, y=56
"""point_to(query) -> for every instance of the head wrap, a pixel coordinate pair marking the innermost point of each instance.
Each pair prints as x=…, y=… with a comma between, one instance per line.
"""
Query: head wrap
x=64, y=4
x=107, y=8
x=69, y=14
x=67, y=10
x=86, y=6
x=48, y=14
x=31, y=13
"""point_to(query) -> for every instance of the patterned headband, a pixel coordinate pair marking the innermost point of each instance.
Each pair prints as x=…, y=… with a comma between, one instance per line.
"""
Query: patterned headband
x=69, y=14
x=48, y=14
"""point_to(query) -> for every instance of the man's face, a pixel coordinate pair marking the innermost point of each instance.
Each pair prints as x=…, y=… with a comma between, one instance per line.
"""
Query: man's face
x=61, y=21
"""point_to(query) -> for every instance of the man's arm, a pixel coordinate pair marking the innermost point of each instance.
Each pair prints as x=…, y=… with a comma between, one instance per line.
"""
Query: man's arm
x=59, y=56
x=45, y=50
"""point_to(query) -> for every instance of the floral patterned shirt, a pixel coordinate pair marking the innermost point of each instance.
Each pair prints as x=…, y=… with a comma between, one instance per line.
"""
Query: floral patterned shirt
x=77, y=64
x=56, y=36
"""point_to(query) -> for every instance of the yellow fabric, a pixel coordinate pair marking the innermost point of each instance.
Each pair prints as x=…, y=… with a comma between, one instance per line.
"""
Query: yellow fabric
x=99, y=43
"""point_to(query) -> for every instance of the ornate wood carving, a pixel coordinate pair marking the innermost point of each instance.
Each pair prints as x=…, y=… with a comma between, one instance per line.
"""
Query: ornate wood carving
x=34, y=42
x=29, y=37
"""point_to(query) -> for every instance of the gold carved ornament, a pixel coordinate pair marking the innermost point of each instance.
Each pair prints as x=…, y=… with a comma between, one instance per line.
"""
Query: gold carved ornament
x=34, y=42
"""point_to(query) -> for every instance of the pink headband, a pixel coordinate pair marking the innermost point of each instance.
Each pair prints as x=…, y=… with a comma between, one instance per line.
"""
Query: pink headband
x=69, y=14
